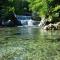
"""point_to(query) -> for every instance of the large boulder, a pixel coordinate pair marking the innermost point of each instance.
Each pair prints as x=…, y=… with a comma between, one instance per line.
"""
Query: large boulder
x=14, y=20
x=46, y=27
x=10, y=21
x=58, y=25
x=50, y=27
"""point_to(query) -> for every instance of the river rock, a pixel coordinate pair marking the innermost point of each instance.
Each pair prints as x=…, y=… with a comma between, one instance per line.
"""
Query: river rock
x=46, y=27
x=58, y=25
x=14, y=20
x=50, y=27
x=10, y=21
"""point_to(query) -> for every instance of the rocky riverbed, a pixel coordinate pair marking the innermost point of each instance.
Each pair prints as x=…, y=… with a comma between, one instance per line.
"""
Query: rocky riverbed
x=55, y=26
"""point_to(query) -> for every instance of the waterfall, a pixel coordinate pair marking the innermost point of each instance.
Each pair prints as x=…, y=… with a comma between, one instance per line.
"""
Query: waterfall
x=25, y=20
x=30, y=22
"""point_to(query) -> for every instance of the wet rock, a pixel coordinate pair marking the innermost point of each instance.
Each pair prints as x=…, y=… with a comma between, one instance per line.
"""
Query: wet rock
x=58, y=25
x=50, y=27
x=14, y=20
x=10, y=21
x=46, y=27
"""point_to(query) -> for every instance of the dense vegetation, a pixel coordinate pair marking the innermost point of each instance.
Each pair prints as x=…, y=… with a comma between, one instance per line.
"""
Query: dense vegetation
x=45, y=8
x=13, y=6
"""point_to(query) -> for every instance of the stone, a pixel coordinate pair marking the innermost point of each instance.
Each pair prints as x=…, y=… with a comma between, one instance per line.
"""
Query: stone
x=58, y=25
x=10, y=22
x=46, y=27
x=50, y=27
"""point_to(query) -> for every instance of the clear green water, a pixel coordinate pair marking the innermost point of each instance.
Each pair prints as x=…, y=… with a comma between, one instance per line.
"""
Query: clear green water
x=29, y=43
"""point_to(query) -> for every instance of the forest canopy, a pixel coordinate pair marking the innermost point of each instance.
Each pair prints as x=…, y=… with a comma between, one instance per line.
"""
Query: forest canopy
x=44, y=8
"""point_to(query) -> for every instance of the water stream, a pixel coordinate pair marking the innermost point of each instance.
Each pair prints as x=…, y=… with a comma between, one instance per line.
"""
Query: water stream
x=29, y=43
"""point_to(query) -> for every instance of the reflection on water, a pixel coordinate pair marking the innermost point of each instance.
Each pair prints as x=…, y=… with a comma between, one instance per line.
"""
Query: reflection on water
x=29, y=43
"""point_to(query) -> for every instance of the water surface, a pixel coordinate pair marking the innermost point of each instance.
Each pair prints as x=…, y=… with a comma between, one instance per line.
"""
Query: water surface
x=29, y=43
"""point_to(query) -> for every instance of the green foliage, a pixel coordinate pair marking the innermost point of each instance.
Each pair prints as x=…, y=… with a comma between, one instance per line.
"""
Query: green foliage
x=41, y=7
x=45, y=7
x=6, y=8
x=12, y=6
x=21, y=6
x=57, y=8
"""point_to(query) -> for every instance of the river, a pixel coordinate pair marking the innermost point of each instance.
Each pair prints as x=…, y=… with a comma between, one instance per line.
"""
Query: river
x=29, y=43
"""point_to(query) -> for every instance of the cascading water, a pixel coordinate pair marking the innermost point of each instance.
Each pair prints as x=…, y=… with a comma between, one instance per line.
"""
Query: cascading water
x=25, y=20
x=30, y=22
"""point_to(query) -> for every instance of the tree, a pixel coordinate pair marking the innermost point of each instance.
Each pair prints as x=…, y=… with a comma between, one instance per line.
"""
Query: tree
x=45, y=8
